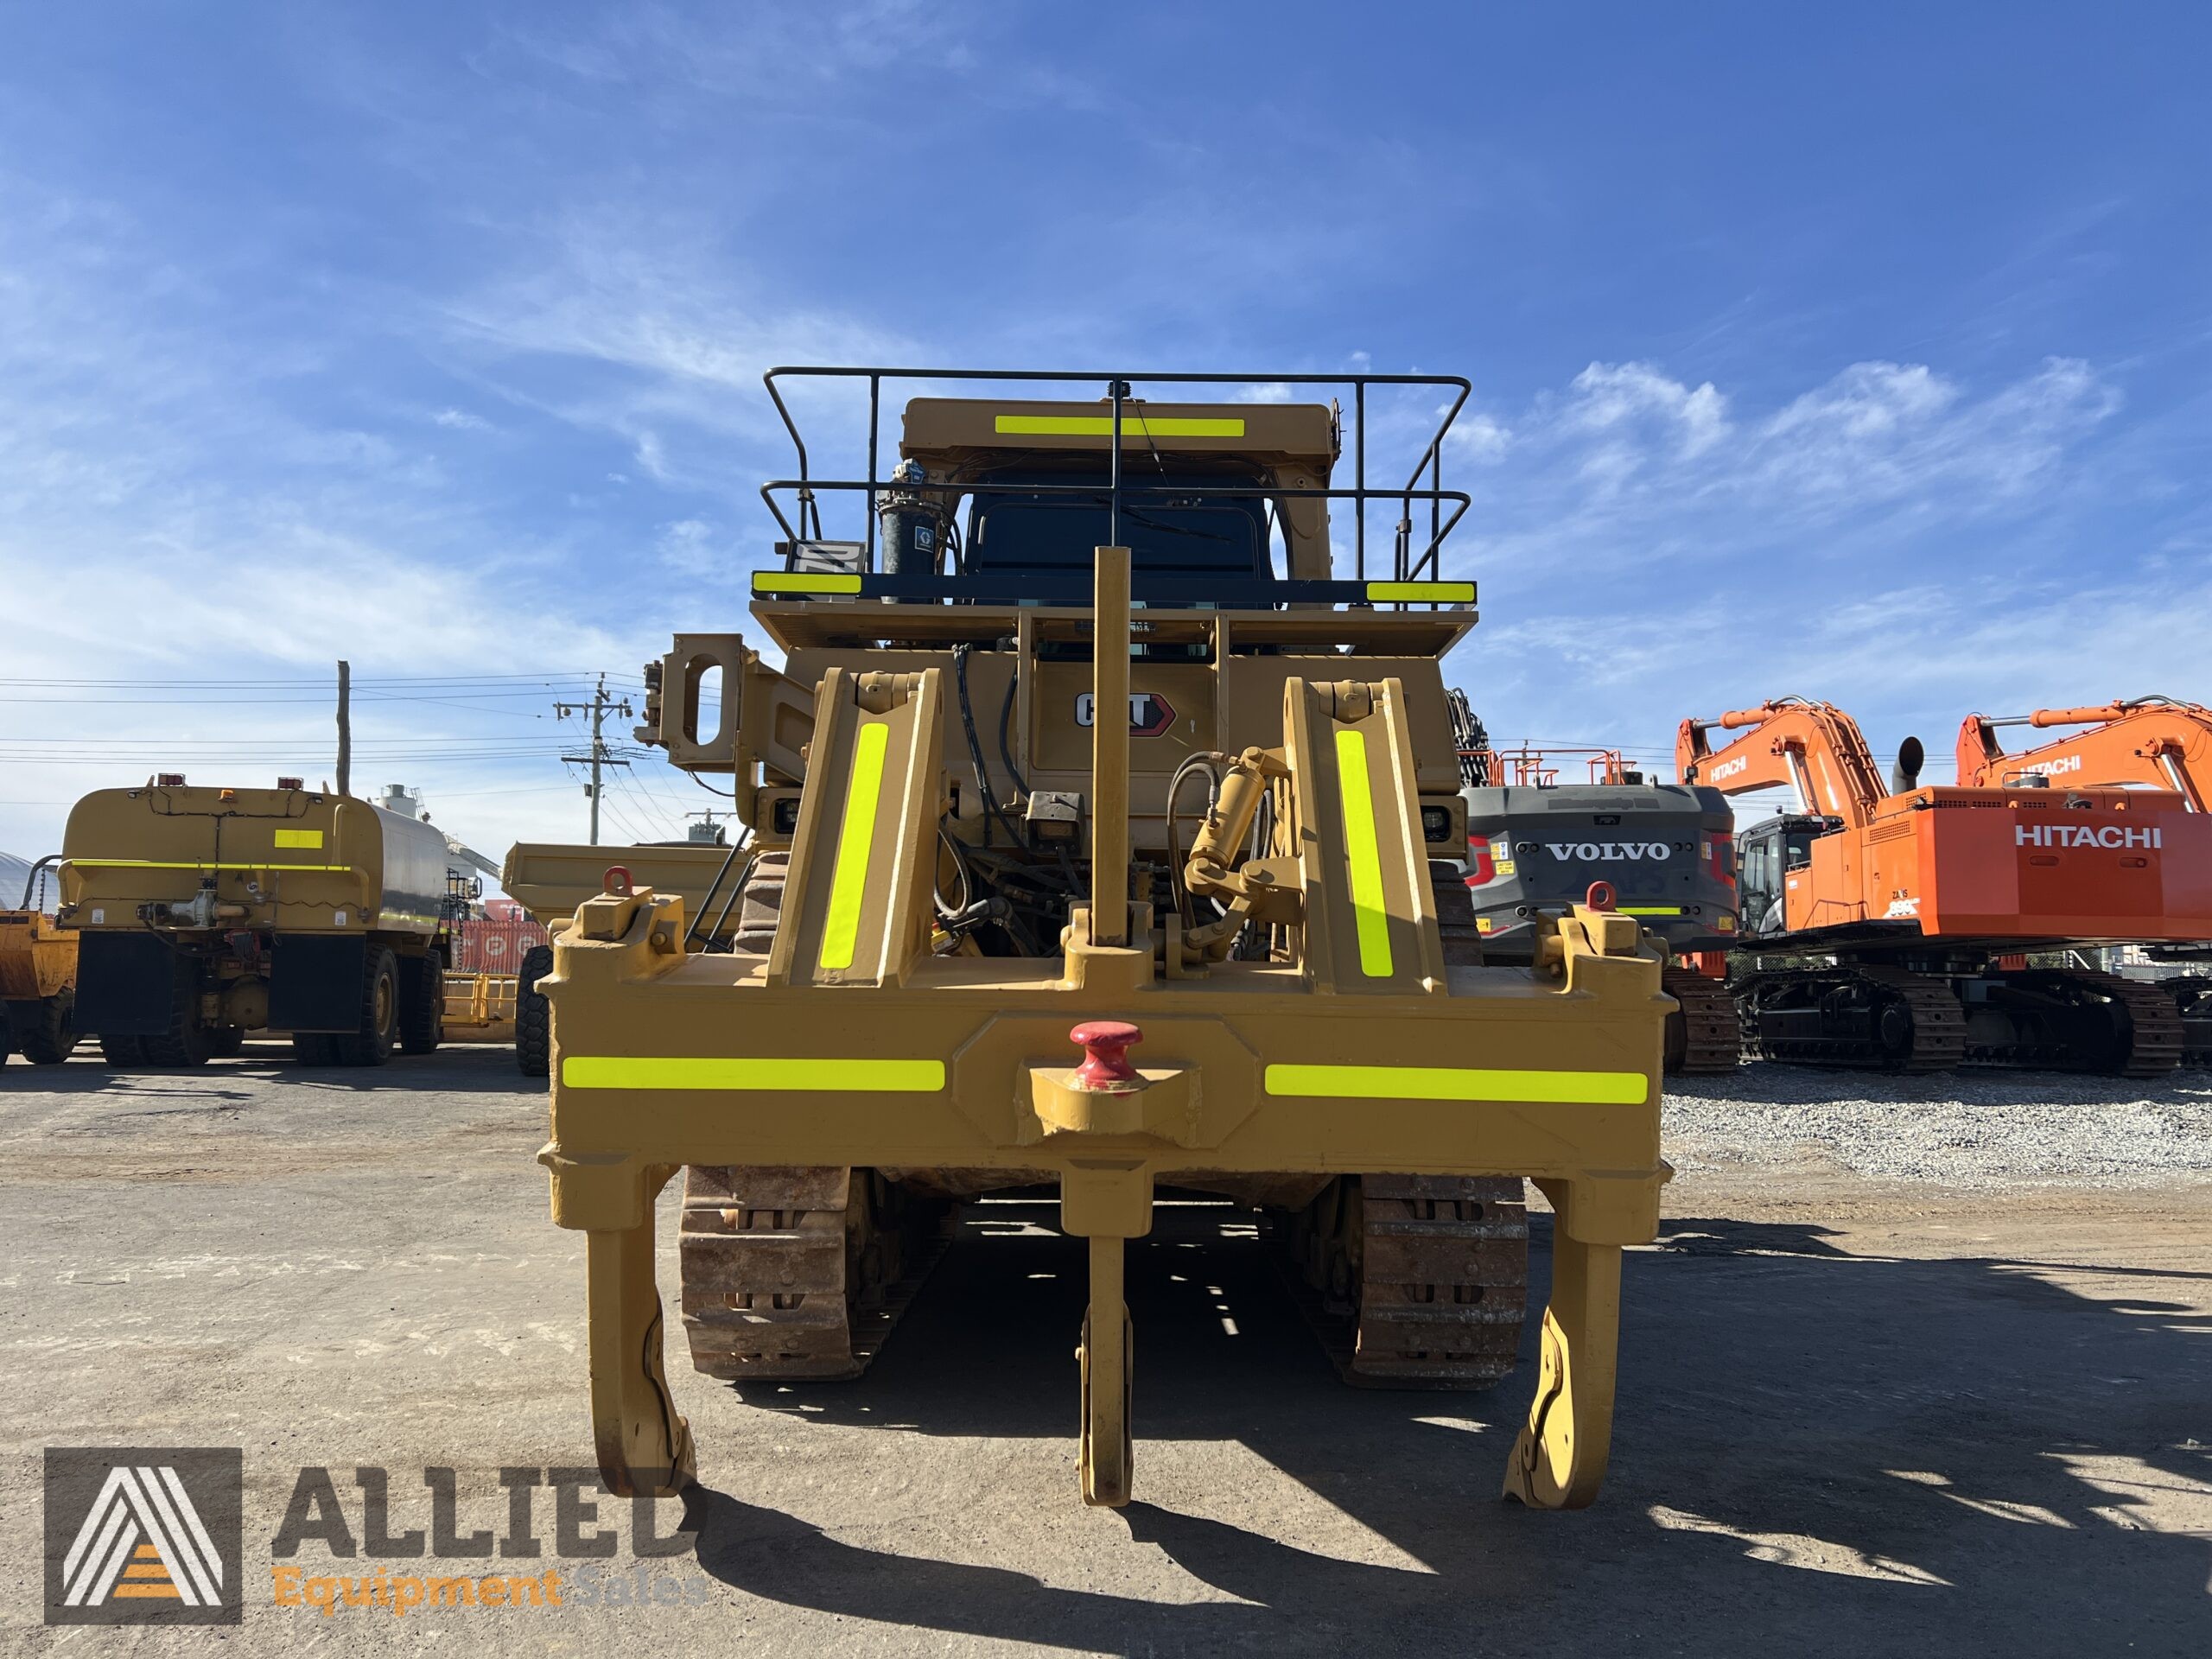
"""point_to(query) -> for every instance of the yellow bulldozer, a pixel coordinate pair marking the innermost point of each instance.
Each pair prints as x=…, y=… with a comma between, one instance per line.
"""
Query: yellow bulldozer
x=38, y=980
x=1103, y=837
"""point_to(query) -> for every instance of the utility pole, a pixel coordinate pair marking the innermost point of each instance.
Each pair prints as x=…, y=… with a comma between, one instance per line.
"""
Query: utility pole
x=599, y=708
x=344, y=726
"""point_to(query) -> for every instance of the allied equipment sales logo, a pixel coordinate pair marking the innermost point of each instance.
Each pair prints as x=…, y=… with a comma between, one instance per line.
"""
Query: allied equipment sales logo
x=143, y=1534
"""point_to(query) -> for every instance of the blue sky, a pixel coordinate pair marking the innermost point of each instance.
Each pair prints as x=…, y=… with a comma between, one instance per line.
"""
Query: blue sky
x=1860, y=354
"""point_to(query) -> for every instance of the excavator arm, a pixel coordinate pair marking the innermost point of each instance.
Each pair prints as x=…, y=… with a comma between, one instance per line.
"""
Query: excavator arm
x=2158, y=742
x=1813, y=747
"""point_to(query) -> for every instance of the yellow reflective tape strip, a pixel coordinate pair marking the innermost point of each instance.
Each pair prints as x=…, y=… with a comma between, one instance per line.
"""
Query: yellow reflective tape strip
x=1132, y=425
x=779, y=1076
x=299, y=837
x=1362, y=850
x=770, y=582
x=1650, y=910
x=841, y=932
x=1458, y=1082
x=163, y=864
x=1422, y=593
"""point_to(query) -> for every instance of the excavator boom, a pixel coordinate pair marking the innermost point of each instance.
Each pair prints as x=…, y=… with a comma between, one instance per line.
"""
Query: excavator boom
x=2147, y=742
x=1813, y=747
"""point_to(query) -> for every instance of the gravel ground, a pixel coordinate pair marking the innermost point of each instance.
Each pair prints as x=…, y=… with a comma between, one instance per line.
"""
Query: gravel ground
x=1966, y=1129
x=1858, y=1414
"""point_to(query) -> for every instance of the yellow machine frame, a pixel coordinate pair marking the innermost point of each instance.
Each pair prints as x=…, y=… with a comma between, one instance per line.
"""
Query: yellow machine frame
x=1367, y=1053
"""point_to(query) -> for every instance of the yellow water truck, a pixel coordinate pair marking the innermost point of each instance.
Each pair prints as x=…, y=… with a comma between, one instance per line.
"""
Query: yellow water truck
x=202, y=913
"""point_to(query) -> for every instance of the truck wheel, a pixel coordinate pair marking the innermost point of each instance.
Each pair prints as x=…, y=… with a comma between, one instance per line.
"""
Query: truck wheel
x=185, y=1043
x=7, y=1036
x=52, y=1038
x=124, y=1051
x=314, y=1048
x=534, y=1014
x=423, y=1007
x=378, y=1035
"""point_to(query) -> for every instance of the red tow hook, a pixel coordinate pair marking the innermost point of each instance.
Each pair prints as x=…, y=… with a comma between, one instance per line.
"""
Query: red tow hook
x=1106, y=1064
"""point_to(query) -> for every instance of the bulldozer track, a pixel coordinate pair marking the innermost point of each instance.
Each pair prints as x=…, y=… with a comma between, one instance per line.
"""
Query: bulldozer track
x=1703, y=1034
x=1936, y=1035
x=799, y=1272
x=1412, y=1282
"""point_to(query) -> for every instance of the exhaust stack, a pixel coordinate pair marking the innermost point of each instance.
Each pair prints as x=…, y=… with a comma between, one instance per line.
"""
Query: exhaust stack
x=1904, y=777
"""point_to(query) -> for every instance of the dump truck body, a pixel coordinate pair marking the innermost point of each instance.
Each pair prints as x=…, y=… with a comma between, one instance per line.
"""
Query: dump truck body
x=1109, y=865
x=548, y=880
x=201, y=913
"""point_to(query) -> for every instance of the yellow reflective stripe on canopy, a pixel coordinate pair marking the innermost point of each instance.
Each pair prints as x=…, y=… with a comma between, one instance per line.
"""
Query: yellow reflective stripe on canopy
x=804, y=581
x=856, y=845
x=1458, y=1082
x=1650, y=910
x=770, y=582
x=813, y=1077
x=1421, y=593
x=1132, y=425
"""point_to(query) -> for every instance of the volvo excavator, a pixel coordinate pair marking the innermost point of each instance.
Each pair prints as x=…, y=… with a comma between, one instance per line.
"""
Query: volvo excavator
x=1104, y=837
x=2149, y=742
x=1535, y=842
x=1888, y=927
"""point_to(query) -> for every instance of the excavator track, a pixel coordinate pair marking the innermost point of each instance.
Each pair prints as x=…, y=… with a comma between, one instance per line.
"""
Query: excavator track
x=1412, y=1282
x=1703, y=1034
x=2192, y=998
x=1455, y=915
x=2072, y=1020
x=1867, y=1015
x=2159, y=1043
x=2156, y=1044
x=799, y=1273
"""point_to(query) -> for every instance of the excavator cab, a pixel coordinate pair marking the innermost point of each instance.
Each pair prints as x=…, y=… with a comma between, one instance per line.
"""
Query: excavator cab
x=1768, y=854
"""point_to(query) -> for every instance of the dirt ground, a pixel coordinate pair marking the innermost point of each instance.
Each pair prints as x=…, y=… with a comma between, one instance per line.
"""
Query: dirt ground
x=1857, y=1416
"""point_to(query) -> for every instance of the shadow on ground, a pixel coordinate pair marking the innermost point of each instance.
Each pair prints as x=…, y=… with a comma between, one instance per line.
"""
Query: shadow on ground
x=1816, y=1452
x=463, y=1069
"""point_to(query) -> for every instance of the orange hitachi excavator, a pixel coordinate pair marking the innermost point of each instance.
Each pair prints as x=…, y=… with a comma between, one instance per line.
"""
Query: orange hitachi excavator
x=1915, y=904
x=2149, y=742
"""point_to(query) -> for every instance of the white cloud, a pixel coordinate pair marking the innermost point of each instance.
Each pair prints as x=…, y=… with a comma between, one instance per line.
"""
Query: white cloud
x=461, y=419
x=1892, y=539
x=1621, y=398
